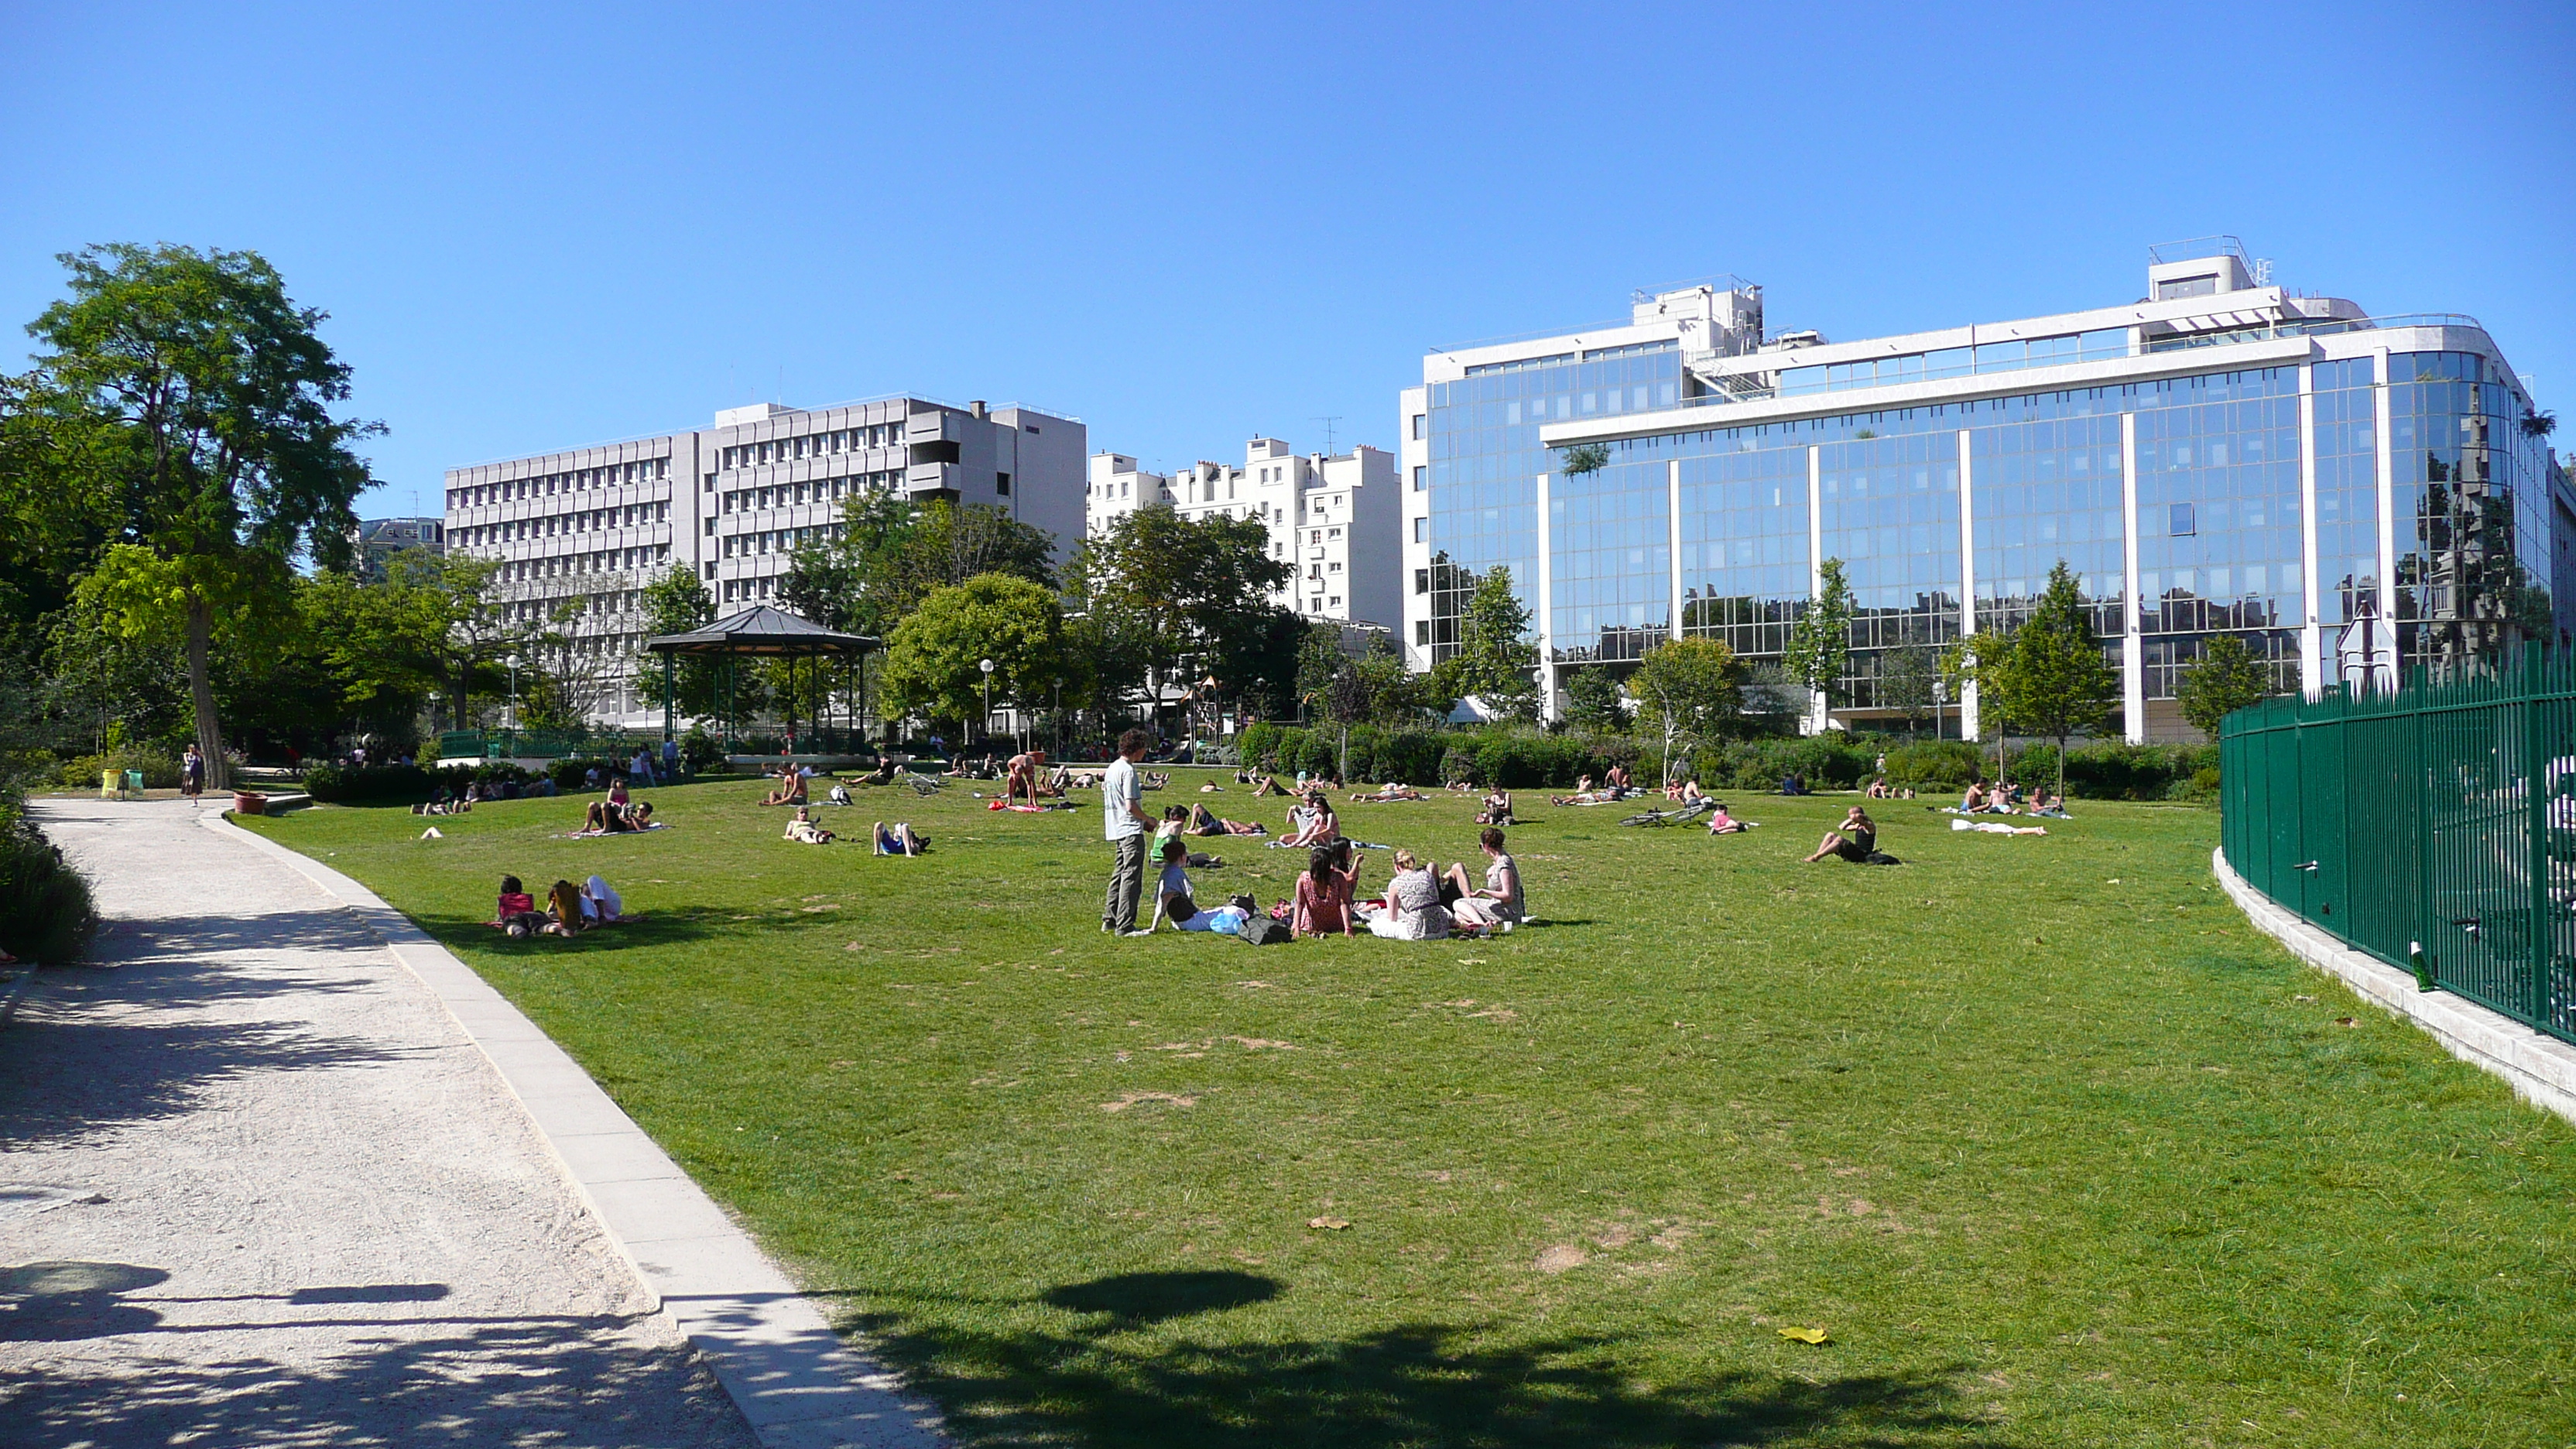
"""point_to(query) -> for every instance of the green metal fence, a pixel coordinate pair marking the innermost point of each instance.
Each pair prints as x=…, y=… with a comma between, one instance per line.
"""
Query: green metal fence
x=2434, y=828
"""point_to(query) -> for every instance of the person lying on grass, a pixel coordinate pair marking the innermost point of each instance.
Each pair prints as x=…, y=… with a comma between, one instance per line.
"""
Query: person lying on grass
x=1204, y=821
x=802, y=828
x=1324, y=893
x=1270, y=786
x=602, y=904
x=517, y=911
x=1722, y=823
x=1176, y=901
x=1997, y=827
x=900, y=839
x=1853, y=840
x=600, y=818
x=1392, y=790
x=1495, y=905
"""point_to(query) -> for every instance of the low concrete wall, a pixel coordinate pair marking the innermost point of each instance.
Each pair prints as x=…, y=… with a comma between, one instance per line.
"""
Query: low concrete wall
x=2542, y=1069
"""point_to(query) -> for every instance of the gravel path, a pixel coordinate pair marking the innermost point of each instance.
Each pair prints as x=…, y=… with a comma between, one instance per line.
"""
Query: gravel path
x=256, y=1187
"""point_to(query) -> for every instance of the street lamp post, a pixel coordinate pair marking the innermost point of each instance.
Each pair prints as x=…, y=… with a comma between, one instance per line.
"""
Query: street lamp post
x=987, y=667
x=1940, y=692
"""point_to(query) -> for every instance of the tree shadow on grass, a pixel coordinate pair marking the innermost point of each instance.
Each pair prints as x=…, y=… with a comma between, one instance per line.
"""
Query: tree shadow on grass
x=1099, y=1384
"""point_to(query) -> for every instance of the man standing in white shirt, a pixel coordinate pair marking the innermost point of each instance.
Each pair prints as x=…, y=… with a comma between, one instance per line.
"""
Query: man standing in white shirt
x=1124, y=821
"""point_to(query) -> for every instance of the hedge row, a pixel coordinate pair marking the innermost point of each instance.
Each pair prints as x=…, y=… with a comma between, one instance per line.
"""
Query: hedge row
x=367, y=784
x=45, y=910
x=160, y=771
x=1528, y=759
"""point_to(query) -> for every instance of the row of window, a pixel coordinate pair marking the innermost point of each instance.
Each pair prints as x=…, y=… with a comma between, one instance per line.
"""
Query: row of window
x=633, y=515
x=812, y=445
x=2106, y=342
x=780, y=540
x=821, y=490
x=566, y=565
x=550, y=484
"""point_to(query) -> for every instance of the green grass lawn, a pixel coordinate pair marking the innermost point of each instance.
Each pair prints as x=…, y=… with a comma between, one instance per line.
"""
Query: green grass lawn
x=2056, y=1148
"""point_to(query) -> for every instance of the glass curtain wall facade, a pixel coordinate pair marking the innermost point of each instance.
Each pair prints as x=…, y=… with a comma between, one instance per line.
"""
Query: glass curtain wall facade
x=2219, y=532
x=2471, y=514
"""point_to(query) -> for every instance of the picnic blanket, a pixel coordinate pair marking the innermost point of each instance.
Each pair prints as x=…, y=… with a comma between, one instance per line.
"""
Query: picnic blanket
x=630, y=830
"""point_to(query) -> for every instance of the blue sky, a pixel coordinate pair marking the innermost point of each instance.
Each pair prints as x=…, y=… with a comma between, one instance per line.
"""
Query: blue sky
x=540, y=226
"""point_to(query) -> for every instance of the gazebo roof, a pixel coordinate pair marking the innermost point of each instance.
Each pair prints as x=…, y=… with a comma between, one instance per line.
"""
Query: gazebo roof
x=762, y=630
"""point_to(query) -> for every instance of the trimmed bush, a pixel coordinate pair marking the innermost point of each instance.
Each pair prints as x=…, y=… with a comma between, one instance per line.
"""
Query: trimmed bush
x=2114, y=770
x=1936, y=764
x=571, y=775
x=45, y=910
x=368, y=785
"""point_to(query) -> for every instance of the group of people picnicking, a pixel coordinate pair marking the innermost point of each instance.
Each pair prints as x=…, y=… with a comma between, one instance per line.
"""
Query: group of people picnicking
x=568, y=909
x=1417, y=902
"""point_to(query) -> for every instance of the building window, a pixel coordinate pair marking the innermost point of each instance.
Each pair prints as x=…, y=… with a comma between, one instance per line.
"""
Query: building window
x=1422, y=530
x=711, y=532
x=1421, y=477
x=1422, y=631
x=2180, y=522
x=1421, y=425
x=1002, y=484
x=1422, y=583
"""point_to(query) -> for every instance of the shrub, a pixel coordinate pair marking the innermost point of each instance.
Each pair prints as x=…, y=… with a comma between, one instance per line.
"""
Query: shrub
x=1827, y=762
x=2113, y=770
x=45, y=910
x=572, y=775
x=699, y=751
x=160, y=771
x=1937, y=764
x=1458, y=766
x=368, y=785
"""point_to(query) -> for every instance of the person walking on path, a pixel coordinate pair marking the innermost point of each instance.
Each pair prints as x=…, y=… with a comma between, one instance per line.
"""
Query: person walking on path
x=1126, y=825
x=192, y=774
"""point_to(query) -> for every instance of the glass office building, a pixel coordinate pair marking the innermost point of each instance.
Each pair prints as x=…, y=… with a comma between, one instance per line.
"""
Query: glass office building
x=2224, y=457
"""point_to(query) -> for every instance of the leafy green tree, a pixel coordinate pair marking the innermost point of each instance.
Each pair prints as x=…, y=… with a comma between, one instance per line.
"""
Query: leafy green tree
x=675, y=602
x=1820, y=642
x=1906, y=675
x=190, y=403
x=1586, y=458
x=2226, y=678
x=1320, y=656
x=933, y=657
x=893, y=552
x=1495, y=657
x=1691, y=690
x=1978, y=660
x=1592, y=700
x=1201, y=589
x=2052, y=678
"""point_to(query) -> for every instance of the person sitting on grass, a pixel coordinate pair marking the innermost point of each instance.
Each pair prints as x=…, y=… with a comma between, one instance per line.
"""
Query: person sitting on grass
x=802, y=828
x=1618, y=781
x=883, y=774
x=1974, y=798
x=1854, y=840
x=1682, y=791
x=1324, y=893
x=1204, y=821
x=1498, y=808
x=791, y=788
x=1878, y=789
x=1313, y=824
x=1495, y=905
x=2052, y=806
x=1412, y=909
x=900, y=839
x=1175, y=900
x=517, y=911
x=617, y=795
x=1390, y=791
x=1722, y=823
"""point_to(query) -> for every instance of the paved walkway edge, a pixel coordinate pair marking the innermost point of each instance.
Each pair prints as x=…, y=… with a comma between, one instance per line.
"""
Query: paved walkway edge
x=2540, y=1068
x=794, y=1379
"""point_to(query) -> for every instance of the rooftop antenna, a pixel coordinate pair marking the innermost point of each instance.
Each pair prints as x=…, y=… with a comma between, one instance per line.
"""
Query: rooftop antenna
x=1328, y=422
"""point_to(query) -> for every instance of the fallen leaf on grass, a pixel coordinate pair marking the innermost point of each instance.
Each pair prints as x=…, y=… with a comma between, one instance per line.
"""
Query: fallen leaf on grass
x=1806, y=1335
x=1330, y=1225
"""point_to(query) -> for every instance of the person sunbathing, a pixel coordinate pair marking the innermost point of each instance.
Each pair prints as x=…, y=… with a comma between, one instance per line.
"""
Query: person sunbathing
x=1855, y=840
x=1495, y=905
x=900, y=839
x=1392, y=790
x=1270, y=786
x=600, y=818
x=791, y=788
x=1204, y=821
x=2052, y=806
x=1498, y=808
x=602, y=905
x=802, y=828
x=1878, y=789
x=1722, y=823
x=1997, y=827
x=564, y=914
x=1975, y=798
x=1313, y=824
x=883, y=774
x=1323, y=905
x=516, y=912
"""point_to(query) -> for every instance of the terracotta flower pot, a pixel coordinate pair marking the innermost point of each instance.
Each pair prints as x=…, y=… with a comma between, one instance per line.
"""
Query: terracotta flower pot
x=246, y=803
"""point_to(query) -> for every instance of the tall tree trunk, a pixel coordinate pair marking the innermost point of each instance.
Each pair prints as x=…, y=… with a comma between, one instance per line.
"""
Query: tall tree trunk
x=201, y=692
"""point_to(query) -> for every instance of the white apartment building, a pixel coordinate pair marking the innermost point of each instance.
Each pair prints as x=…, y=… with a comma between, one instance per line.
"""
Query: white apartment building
x=1333, y=517
x=581, y=532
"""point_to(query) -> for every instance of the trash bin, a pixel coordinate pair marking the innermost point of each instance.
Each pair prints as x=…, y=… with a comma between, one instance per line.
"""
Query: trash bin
x=110, y=783
x=134, y=783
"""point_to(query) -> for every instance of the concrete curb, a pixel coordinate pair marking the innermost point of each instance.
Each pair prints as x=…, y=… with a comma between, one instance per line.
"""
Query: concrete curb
x=2541, y=1069
x=793, y=1378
